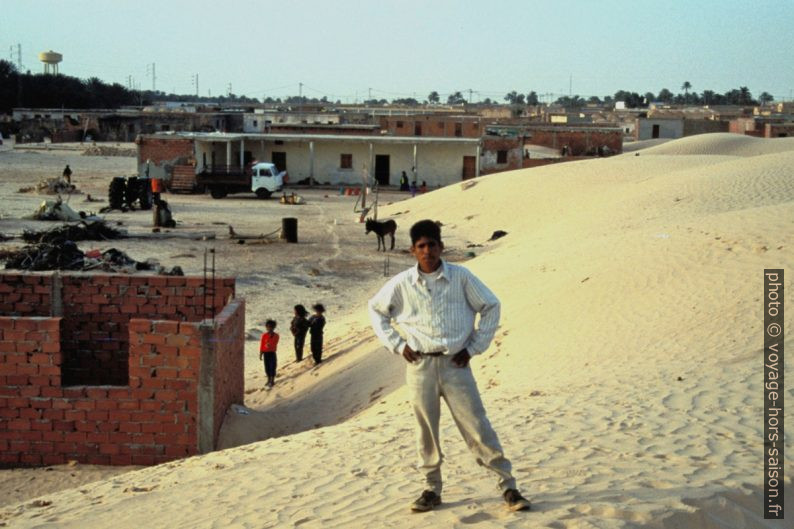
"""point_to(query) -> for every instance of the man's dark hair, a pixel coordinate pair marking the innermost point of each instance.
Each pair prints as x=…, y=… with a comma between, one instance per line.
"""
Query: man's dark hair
x=425, y=228
x=270, y=323
x=319, y=307
x=301, y=310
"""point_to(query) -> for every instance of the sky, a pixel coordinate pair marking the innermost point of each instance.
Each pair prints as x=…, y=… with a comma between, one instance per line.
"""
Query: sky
x=385, y=49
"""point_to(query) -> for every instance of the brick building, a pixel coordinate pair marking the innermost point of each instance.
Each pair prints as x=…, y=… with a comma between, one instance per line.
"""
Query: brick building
x=116, y=369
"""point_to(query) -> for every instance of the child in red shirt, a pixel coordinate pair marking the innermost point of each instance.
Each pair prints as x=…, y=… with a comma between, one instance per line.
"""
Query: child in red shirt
x=267, y=350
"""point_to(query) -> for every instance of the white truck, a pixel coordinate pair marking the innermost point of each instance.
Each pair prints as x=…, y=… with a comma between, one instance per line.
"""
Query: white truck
x=262, y=178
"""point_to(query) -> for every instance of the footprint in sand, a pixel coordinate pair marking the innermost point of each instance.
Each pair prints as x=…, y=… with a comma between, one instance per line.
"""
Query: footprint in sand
x=476, y=518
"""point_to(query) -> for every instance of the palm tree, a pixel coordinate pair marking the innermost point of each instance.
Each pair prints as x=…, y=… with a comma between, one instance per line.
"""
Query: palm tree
x=685, y=87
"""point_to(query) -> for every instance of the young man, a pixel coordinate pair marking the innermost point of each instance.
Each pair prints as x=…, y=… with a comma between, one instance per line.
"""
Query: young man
x=435, y=304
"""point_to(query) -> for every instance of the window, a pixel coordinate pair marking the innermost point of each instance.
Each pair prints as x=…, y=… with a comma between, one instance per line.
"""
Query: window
x=458, y=129
x=501, y=156
x=418, y=129
x=164, y=127
x=400, y=124
x=255, y=123
x=346, y=161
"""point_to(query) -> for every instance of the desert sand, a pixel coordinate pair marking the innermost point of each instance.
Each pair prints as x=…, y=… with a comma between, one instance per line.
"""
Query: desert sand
x=624, y=381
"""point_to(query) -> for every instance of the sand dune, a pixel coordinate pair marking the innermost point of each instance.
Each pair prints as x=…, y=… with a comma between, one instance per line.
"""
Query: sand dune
x=624, y=381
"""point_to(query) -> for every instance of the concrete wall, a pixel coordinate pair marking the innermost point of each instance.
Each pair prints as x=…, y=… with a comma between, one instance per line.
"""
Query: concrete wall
x=155, y=324
x=513, y=148
x=668, y=128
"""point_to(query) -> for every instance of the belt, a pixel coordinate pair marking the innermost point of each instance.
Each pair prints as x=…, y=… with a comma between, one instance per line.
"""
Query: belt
x=437, y=353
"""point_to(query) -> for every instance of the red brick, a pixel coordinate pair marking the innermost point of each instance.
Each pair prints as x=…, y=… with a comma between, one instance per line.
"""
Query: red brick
x=29, y=391
x=130, y=427
x=19, y=425
x=53, y=459
x=55, y=436
x=84, y=405
x=74, y=437
x=96, y=393
x=29, y=413
x=60, y=404
x=140, y=326
x=53, y=415
x=63, y=426
x=41, y=425
x=97, y=437
x=30, y=459
x=97, y=459
x=121, y=459
x=106, y=405
x=74, y=415
x=143, y=459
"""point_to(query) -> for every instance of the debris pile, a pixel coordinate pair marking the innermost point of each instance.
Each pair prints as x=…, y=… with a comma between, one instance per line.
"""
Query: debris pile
x=57, y=210
x=64, y=255
x=56, y=249
x=51, y=186
x=108, y=150
x=84, y=231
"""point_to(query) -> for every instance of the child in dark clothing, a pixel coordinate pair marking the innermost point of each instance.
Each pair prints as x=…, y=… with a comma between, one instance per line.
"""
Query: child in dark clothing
x=299, y=328
x=316, y=324
x=267, y=350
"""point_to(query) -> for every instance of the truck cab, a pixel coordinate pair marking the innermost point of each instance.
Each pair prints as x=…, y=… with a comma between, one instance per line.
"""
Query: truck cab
x=266, y=179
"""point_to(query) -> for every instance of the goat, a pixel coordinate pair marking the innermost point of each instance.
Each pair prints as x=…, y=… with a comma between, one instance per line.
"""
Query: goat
x=381, y=229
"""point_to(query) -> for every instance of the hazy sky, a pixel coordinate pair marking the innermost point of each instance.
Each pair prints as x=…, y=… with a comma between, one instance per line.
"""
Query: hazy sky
x=343, y=49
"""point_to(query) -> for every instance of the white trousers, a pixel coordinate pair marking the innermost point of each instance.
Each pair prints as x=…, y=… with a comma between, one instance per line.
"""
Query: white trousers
x=431, y=378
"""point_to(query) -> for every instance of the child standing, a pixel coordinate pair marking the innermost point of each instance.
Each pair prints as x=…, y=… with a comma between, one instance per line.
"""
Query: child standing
x=267, y=350
x=316, y=324
x=299, y=328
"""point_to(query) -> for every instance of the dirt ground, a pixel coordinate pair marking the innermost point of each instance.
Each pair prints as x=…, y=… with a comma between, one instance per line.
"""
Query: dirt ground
x=334, y=262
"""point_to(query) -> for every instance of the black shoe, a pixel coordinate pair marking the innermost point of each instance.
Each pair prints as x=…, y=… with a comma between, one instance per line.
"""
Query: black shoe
x=426, y=501
x=515, y=501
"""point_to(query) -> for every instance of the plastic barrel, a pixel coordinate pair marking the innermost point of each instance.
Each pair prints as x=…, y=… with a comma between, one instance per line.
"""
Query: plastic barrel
x=289, y=229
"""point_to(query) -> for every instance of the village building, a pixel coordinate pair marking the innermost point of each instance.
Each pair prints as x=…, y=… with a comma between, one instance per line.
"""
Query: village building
x=333, y=159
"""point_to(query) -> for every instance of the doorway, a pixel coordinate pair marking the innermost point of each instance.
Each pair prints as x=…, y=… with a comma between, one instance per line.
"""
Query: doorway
x=382, y=169
x=655, y=131
x=469, y=167
x=280, y=160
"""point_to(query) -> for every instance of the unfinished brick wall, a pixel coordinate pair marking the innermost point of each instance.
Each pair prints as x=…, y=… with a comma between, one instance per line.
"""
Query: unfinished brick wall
x=173, y=360
x=581, y=142
x=160, y=150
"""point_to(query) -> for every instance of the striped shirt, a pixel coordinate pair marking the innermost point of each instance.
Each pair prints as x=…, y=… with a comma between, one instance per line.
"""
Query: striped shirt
x=436, y=315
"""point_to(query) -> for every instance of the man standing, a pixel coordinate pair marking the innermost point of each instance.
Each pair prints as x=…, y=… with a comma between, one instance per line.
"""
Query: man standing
x=435, y=304
x=67, y=174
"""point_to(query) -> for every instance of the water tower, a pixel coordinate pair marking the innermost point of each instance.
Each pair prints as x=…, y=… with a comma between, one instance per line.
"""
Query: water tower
x=50, y=60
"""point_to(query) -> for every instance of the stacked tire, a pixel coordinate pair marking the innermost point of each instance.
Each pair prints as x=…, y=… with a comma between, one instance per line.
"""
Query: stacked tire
x=123, y=193
x=117, y=192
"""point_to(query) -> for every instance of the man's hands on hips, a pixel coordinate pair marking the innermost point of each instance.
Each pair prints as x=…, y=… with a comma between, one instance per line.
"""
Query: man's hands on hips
x=461, y=359
x=409, y=354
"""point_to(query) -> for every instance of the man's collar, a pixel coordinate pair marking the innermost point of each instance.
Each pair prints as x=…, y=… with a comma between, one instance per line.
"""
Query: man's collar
x=443, y=272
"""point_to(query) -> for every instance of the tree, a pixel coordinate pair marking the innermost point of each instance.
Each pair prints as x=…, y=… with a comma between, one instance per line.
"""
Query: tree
x=649, y=98
x=665, y=96
x=594, y=100
x=532, y=98
x=512, y=97
x=433, y=97
x=455, y=99
x=570, y=102
x=765, y=98
x=685, y=87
